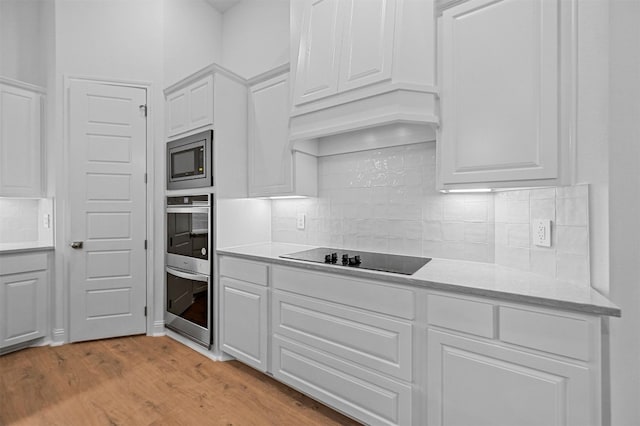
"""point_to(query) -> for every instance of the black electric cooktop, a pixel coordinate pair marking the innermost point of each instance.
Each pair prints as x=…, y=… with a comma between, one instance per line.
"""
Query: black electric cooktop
x=394, y=263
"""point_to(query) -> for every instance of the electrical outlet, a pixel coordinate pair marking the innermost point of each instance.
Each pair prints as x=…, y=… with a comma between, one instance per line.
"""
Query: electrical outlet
x=46, y=220
x=300, y=221
x=542, y=232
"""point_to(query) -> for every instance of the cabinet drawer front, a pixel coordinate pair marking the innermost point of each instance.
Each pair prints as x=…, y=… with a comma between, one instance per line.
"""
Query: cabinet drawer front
x=347, y=291
x=562, y=335
x=462, y=315
x=244, y=270
x=383, y=344
x=17, y=263
x=366, y=396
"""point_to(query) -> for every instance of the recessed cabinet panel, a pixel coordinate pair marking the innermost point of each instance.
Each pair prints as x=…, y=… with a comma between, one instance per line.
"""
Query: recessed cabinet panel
x=367, y=49
x=244, y=322
x=383, y=344
x=500, y=93
x=319, y=54
x=270, y=157
x=470, y=382
x=23, y=308
x=20, y=142
x=190, y=107
x=365, y=395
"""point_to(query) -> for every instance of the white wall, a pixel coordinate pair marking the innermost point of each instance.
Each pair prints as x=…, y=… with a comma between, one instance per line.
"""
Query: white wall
x=23, y=41
x=624, y=209
x=256, y=36
x=192, y=38
x=114, y=40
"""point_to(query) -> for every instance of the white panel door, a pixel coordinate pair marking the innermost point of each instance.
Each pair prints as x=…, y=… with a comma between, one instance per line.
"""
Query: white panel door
x=107, y=154
x=20, y=147
x=500, y=76
x=470, y=382
x=319, y=55
x=367, y=49
x=270, y=158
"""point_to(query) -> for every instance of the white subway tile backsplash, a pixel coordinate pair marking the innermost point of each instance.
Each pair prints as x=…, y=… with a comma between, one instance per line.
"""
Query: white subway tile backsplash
x=518, y=235
x=385, y=200
x=453, y=231
x=572, y=267
x=572, y=240
x=572, y=211
x=543, y=261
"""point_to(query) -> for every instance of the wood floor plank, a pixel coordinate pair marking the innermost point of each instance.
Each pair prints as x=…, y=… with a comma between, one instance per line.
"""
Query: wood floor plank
x=143, y=380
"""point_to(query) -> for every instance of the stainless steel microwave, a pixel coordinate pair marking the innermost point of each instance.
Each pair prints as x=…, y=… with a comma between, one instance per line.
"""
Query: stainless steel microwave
x=190, y=161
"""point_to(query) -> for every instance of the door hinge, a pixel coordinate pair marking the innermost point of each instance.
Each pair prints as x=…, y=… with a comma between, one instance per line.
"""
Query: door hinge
x=145, y=311
x=145, y=244
x=143, y=108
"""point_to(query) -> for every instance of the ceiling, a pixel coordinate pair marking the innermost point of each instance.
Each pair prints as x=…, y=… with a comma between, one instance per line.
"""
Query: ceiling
x=223, y=5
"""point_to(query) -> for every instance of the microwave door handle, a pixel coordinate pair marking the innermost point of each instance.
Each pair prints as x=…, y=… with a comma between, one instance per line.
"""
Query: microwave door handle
x=187, y=275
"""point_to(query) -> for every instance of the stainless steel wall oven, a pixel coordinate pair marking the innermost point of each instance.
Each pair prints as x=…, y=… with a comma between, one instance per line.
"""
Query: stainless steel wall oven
x=189, y=266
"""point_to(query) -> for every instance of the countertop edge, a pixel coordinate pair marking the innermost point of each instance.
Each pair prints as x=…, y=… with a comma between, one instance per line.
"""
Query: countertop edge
x=583, y=308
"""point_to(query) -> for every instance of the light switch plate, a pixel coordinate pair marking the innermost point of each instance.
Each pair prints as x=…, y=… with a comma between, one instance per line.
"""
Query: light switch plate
x=300, y=221
x=542, y=232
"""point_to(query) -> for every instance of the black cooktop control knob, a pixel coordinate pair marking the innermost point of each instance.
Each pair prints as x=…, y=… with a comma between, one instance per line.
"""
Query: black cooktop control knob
x=334, y=257
x=327, y=258
x=345, y=259
x=354, y=261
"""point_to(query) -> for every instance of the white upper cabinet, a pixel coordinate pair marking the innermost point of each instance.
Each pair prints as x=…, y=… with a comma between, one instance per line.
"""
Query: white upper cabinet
x=318, y=65
x=274, y=170
x=501, y=93
x=190, y=107
x=362, y=64
x=345, y=45
x=20, y=140
x=367, y=48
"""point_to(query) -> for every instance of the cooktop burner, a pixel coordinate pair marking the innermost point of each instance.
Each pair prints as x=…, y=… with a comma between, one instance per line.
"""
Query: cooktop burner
x=394, y=263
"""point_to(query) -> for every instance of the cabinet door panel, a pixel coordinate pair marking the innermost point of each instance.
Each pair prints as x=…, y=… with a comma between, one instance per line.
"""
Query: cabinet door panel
x=473, y=382
x=20, y=150
x=270, y=158
x=177, y=113
x=367, y=48
x=374, y=341
x=201, y=103
x=500, y=91
x=319, y=54
x=369, y=397
x=23, y=313
x=244, y=322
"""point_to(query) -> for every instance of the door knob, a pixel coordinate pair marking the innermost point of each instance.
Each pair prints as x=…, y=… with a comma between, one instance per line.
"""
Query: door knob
x=76, y=245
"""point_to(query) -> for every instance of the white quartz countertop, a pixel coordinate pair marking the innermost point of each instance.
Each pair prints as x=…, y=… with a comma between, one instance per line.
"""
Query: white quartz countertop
x=472, y=278
x=8, y=248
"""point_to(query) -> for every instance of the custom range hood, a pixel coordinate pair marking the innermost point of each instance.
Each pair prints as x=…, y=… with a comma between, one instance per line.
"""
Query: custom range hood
x=362, y=80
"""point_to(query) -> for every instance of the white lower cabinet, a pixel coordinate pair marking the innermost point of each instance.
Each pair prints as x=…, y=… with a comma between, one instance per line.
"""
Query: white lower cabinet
x=356, y=391
x=347, y=342
x=243, y=311
x=390, y=354
x=536, y=366
x=23, y=298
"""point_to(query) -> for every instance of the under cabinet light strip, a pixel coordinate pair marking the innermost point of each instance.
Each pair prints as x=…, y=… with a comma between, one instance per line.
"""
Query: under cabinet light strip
x=454, y=191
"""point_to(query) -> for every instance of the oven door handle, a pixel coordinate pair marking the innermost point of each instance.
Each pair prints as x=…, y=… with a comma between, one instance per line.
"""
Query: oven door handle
x=188, y=210
x=187, y=275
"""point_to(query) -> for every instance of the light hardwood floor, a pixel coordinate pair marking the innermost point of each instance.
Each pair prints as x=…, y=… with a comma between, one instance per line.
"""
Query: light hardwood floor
x=144, y=380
